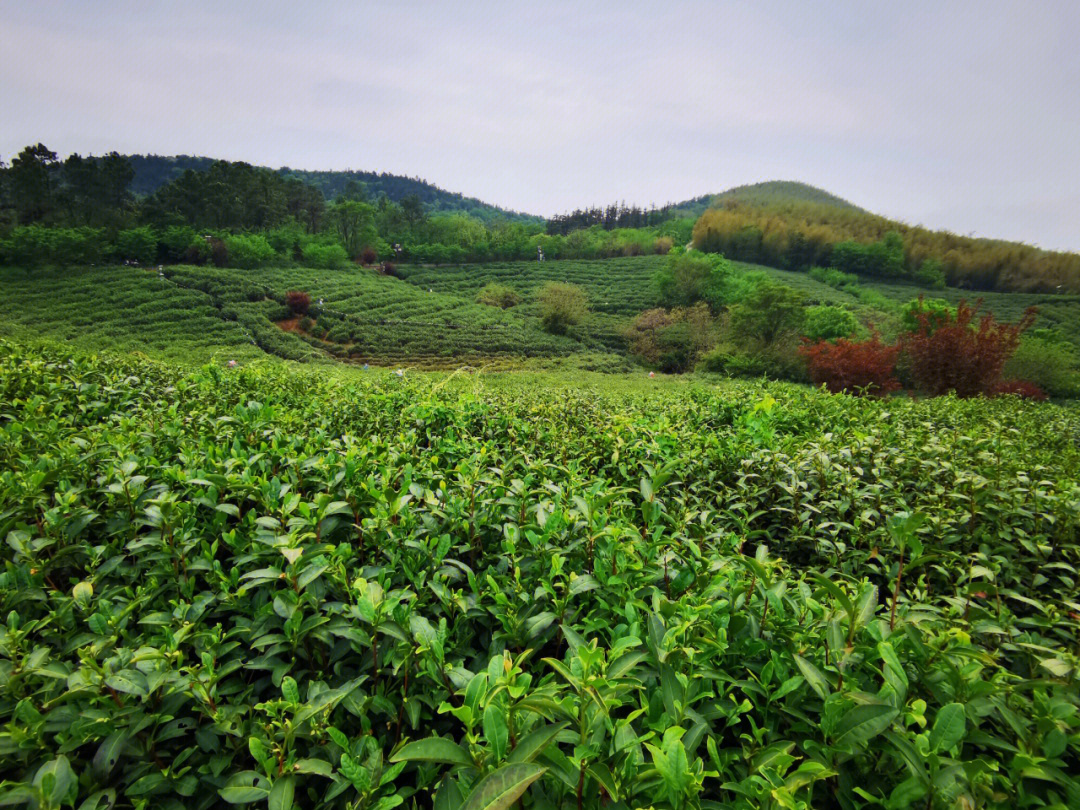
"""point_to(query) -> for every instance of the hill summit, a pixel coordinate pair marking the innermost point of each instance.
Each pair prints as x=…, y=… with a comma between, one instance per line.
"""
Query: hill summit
x=770, y=192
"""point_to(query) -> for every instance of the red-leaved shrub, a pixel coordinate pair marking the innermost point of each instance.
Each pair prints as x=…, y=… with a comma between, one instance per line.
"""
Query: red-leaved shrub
x=368, y=255
x=951, y=353
x=1021, y=388
x=856, y=367
x=298, y=302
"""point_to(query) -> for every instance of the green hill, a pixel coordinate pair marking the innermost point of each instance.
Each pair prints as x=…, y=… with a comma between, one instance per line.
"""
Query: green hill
x=154, y=171
x=770, y=192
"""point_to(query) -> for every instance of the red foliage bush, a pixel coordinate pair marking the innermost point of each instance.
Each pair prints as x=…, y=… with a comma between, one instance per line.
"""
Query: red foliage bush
x=297, y=301
x=1021, y=388
x=368, y=256
x=854, y=366
x=950, y=353
x=389, y=269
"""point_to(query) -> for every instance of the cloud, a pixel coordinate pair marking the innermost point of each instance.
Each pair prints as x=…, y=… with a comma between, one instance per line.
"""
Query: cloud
x=916, y=110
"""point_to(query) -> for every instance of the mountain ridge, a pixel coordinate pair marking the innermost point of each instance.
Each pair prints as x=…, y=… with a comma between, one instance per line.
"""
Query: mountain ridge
x=154, y=171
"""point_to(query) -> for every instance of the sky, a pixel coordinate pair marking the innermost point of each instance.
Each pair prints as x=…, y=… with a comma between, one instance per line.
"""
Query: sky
x=963, y=116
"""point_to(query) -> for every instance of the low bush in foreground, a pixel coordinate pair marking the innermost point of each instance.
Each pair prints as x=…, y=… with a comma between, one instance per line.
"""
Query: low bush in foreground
x=262, y=587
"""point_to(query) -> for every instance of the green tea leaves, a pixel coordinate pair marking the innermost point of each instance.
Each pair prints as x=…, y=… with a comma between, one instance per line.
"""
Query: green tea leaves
x=500, y=789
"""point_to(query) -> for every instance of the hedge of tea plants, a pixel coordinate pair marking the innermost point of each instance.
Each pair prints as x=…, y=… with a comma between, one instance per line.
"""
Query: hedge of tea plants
x=271, y=588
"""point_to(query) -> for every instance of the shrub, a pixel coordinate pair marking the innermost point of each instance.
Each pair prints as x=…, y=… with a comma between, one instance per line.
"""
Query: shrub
x=137, y=244
x=561, y=306
x=833, y=277
x=30, y=246
x=306, y=324
x=882, y=259
x=936, y=311
x=1049, y=363
x=368, y=255
x=692, y=277
x=830, y=323
x=176, y=240
x=868, y=366
x=219, y=252
x=197, y=252
x=663, y=245
x=287, y=241
x=949, y=353
x=298, y=302
x=249, y=251
x=931, y=274
x=1024, y=389
x=740, y=363
x=325, y=256
x=390, y=269
x=498, y=295
x=768, y=313
x=73, y=246
x=676, y=348
x=653, y=334
x=641, y=334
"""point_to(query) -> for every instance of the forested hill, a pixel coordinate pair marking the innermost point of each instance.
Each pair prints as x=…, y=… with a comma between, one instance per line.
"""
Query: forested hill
x=771, y=192
x=154, y=171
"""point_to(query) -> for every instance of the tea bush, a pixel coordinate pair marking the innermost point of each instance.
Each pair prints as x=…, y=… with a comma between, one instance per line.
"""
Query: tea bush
x=248, y=586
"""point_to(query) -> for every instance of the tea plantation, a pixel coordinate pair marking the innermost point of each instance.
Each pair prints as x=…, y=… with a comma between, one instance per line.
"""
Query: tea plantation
x=197, y=313
x=283, y=587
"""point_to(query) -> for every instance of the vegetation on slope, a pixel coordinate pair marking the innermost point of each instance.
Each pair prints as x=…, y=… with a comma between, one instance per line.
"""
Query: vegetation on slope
x=800, y=235
x=770, y=192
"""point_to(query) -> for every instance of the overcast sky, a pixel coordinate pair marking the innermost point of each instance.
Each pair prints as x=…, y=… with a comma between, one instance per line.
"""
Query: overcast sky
x=954, y=115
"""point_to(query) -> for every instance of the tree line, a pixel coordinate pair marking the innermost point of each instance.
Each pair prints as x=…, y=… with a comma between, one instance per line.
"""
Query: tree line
x=617, y=215
x=82, y=210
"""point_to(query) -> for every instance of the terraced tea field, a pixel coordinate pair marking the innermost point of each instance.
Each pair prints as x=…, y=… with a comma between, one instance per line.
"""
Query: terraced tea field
x=194, y=312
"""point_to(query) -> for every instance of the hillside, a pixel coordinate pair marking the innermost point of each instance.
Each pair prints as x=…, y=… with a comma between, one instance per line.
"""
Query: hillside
x=770, y=192
x=154, y=171
x=428, y=318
